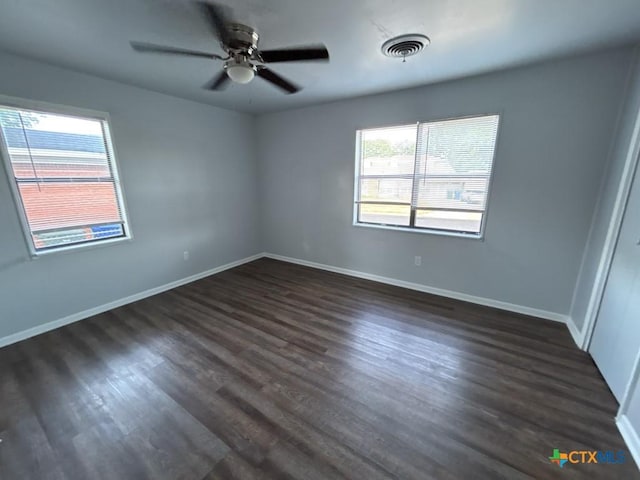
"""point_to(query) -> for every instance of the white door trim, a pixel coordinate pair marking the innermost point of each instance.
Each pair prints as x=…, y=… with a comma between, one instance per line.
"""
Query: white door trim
x=613, y=232
x=629, y=433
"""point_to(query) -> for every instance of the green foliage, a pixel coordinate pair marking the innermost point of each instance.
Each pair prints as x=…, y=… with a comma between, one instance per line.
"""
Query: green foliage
x=467, y=147
x=384, y=148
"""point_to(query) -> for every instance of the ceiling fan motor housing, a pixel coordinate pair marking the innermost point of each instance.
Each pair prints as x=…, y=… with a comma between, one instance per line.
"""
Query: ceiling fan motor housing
x=242, y=40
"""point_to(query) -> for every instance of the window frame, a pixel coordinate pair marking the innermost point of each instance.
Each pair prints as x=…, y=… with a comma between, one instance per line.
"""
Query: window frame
x=37, y=106
x=416, y=229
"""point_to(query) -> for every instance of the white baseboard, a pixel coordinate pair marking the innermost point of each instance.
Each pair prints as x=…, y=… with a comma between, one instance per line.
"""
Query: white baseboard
x=534, y=312
x=630, y=436
x=17, y=337
x=576, y=333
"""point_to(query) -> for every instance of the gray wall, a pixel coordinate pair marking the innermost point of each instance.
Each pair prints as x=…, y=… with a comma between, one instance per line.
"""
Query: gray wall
x=558, y=119
x=608, y=194
x=190, y=180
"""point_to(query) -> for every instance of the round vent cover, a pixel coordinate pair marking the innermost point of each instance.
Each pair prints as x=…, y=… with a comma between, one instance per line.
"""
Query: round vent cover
x=405, y=45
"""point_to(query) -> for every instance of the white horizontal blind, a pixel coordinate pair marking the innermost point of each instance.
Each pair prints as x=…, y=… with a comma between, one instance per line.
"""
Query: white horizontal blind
x=65, y=177
x=452, y=163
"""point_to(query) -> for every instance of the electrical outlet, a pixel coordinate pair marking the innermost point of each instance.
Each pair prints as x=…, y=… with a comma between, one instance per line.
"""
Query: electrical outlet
x=186, y=255
x=417, y=260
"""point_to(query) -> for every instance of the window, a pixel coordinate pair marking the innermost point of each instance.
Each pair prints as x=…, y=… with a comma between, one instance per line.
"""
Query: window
x=431, y=177
x=65, y=178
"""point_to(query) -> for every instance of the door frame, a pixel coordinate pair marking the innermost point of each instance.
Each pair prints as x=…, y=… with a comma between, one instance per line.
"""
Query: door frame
x=630, y=171
x=613, y=232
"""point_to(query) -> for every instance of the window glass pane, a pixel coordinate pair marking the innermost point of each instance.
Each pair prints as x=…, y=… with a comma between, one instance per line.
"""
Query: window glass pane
x=60, y=205
x=76, y=235
x=454, y=163
x=441, y=169
x=469, y=222
x=386, y=190
x=64, y=175
x=463, y=146
x=388, y=151
x=453, y=192
x=385, y=214
x=46, y=145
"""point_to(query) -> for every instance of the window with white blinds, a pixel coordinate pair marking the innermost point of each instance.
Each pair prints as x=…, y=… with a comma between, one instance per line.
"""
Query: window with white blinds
x=65, y=177
x=431, y=176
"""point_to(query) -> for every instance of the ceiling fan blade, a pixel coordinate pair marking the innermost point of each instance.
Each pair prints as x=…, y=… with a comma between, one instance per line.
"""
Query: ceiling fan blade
x=217, y=19
x=219, y=82
x=277, y=80
x=295, y=54
x=152, y=48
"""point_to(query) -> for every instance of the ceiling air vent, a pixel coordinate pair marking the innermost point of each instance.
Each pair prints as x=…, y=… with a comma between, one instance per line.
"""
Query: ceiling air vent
x=405, y=46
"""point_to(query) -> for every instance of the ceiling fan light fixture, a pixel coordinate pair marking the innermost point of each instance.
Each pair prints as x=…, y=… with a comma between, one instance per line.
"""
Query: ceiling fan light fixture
x=241, y=73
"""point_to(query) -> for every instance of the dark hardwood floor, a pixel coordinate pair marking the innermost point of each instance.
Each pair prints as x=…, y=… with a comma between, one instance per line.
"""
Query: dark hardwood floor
x=273, y=370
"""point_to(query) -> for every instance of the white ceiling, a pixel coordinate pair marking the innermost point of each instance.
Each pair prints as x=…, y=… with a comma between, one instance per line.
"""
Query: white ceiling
x=468, y=37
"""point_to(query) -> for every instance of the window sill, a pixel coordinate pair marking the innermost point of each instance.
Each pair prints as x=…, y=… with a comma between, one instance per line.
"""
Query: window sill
x=80, y=247
x=441, y=233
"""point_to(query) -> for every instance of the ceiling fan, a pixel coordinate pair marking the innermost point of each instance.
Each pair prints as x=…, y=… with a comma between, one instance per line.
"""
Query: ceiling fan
x=244, y=59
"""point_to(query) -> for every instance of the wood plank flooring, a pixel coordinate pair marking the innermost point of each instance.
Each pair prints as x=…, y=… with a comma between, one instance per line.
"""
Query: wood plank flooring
x=273, y=370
